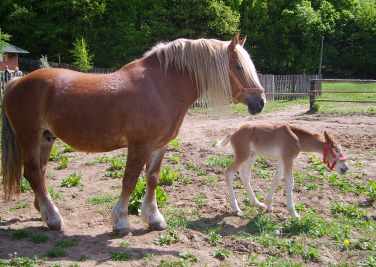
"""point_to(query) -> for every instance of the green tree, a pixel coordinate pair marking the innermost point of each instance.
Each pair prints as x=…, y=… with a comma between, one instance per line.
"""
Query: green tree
x=3, y=37
x=81, y=54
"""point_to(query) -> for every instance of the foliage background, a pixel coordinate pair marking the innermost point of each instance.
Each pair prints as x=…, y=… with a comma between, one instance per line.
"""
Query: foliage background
x=283, y=36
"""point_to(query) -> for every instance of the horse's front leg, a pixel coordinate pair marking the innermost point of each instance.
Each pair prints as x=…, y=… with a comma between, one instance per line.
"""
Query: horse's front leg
x=149, y=211
x=137, y=158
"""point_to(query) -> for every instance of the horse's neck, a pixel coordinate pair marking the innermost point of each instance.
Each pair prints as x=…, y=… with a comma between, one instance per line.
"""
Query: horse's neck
x=311, y=142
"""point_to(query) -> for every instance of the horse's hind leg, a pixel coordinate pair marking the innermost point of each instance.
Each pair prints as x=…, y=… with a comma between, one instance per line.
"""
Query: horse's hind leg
x=245, y=176
x=149, y=211
x=137, y=157
x=35, y=161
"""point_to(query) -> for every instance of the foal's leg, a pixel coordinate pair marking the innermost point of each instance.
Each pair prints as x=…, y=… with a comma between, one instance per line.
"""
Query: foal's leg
x=276, y=181
x=289, y=181
x=137, y=157
x=245, y=176
x=149, y=211
x=35, y=160
x=229, y=175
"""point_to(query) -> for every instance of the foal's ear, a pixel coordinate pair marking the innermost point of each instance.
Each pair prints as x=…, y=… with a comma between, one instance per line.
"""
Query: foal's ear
x=234, y=42
x=243, y=41
x=328, y=137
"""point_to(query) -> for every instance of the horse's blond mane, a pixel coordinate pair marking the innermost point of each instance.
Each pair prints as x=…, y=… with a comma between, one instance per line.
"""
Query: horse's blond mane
x=207, y=60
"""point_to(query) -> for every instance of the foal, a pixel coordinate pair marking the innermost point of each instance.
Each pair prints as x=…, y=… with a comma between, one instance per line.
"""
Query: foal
x=283, y=142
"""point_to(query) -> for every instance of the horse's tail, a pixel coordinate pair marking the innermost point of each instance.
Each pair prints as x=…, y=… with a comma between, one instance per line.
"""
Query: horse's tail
x=224, y=142
x=11, y=158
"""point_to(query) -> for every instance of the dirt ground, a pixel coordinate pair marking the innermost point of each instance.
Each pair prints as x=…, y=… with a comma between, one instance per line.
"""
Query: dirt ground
x=93, y=229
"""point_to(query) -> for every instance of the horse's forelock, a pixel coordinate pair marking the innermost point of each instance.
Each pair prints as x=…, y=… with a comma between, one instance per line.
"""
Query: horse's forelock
x=248, y=67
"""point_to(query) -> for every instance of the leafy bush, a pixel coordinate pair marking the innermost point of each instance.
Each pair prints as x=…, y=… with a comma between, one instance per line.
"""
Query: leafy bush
x=135, y=202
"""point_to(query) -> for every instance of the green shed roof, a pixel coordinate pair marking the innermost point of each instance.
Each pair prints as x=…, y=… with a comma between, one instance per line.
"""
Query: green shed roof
x=13, y=49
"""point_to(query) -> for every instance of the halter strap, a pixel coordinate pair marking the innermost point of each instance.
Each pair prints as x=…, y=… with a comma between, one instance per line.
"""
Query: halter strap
x=242, y=89
x=326, y=161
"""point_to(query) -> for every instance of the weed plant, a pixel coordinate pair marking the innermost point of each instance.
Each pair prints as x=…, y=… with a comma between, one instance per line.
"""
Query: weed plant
x=167, y=176
x=220, y=161
x=175, y=144
x=72, y=180
x=20, y=234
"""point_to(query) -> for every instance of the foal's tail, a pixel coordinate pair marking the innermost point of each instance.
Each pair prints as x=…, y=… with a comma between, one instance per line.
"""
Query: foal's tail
x=224, y=142
x=11, y=158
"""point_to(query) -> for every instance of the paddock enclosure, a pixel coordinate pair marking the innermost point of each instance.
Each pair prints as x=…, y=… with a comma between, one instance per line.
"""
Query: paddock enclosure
x=198, y=201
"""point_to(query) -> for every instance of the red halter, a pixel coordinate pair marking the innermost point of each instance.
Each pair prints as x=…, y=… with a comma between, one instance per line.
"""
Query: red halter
x=329, y=147
x=242, y=89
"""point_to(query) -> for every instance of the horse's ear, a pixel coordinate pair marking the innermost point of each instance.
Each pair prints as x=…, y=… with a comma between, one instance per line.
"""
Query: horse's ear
x=234, y=42
x=243, y=41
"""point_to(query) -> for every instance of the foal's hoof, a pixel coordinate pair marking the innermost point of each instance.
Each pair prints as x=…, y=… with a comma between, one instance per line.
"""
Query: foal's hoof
x=158, y=226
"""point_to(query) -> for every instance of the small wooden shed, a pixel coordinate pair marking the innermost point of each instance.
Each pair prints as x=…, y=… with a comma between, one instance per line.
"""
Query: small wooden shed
x=9, y=57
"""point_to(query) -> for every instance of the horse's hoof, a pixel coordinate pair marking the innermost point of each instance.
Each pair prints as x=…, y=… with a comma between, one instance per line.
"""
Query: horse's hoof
x=121, y=232
x=57, y=226
x=239, y=213
x=158, y=226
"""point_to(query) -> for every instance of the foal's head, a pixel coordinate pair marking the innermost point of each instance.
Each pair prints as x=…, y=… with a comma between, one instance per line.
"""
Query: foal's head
x=337, y=160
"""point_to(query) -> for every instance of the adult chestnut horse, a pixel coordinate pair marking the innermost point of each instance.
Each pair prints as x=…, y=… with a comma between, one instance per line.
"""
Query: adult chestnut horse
x=141, y=107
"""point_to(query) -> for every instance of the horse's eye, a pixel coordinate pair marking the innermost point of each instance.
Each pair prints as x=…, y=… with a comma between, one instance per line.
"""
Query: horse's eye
x=239, y=68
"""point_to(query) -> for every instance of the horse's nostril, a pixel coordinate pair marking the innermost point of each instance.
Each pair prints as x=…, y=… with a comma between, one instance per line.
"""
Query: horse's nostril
x=262, y=103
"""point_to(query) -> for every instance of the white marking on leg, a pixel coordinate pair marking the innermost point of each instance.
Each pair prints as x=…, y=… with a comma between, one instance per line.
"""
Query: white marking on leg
x=149, y=211
x=119, y=215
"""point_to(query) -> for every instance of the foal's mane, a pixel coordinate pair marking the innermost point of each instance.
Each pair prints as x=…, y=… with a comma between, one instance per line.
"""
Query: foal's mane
x=207, y=60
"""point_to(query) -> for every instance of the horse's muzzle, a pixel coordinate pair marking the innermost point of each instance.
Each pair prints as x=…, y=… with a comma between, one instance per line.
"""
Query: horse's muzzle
x=256, y=106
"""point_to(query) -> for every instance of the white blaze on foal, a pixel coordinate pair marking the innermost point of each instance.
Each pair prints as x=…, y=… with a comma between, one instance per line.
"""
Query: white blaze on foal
x=283, y=142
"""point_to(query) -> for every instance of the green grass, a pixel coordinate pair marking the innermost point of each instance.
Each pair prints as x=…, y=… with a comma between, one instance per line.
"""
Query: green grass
x=67, y=242
x=220, y=161
x=55, y=252
x=18, y=206
x=20, y=234
x=39, y=238
x=95, y=200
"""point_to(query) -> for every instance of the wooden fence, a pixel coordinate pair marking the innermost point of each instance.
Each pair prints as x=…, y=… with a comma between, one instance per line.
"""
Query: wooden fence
x=278, y=87
x=313, y=91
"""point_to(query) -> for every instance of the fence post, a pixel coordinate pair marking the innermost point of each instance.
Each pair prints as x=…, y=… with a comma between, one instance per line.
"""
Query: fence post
x=311, y=95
